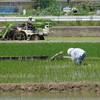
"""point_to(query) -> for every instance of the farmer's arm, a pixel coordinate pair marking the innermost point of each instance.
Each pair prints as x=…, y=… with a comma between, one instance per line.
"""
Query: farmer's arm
x=73, y=57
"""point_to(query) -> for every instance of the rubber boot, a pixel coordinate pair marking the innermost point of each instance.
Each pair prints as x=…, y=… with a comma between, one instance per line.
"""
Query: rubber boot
x=79, y=63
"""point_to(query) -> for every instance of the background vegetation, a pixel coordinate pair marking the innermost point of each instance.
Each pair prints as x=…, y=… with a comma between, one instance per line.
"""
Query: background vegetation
x=53, y=7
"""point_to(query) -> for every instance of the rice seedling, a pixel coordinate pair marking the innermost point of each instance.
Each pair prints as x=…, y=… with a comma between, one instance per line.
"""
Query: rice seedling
x=58, y=70
x=46, y=71
x=45, y=49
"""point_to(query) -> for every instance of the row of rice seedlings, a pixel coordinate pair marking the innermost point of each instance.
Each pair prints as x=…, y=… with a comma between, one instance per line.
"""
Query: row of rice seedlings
x=47, y=71
x=45, y=49
x=79, y=22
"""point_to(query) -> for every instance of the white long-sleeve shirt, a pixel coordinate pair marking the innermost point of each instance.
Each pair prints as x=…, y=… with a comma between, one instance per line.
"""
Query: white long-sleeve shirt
x=76, y=53
x=29, y=21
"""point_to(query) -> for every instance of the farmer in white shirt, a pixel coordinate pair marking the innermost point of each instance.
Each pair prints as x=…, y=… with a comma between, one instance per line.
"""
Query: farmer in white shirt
x=77, y=55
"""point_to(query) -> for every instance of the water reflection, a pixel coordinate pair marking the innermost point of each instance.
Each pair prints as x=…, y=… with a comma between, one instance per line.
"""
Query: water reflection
x=49, y=96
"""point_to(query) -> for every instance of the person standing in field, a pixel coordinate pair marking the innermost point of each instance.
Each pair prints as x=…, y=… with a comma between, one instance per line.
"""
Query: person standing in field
x=77, y=55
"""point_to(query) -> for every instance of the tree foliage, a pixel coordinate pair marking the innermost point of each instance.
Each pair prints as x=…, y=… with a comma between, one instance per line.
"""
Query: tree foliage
x=48, y=7
x=45, y=3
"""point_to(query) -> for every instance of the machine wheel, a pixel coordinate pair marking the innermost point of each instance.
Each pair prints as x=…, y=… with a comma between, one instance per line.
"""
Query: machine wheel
x=19, y=36
x=35, y=37
x=41, y=37
x=9, y=35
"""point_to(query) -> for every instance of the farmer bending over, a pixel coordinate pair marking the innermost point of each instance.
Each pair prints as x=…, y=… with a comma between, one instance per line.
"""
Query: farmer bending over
x=77, y=55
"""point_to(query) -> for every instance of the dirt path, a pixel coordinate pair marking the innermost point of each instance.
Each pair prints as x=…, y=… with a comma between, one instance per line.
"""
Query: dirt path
x=52, y=87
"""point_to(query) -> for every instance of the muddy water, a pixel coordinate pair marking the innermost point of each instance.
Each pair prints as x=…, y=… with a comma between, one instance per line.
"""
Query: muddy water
x=49, y=96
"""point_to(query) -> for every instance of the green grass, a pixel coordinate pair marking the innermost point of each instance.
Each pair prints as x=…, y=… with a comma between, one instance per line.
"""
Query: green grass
x=73, y=38
x=79, y=22
x=45, y=49
x=58, y=70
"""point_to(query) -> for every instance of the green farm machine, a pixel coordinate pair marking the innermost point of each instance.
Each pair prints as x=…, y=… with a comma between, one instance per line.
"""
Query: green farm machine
x=19, y=30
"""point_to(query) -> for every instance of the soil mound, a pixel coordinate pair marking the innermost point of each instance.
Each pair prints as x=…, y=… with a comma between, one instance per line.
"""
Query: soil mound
x=52, y=87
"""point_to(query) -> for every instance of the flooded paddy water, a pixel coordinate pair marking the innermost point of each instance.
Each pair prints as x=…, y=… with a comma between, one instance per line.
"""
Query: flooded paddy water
x=49, y=96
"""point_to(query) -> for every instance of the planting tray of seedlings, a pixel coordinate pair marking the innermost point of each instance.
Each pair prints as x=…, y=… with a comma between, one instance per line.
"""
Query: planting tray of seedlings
x=59, y=55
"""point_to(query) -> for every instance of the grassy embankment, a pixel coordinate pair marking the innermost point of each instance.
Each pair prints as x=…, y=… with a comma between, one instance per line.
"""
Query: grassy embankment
x=79, y=22
x=74, y=38
x=59, y=70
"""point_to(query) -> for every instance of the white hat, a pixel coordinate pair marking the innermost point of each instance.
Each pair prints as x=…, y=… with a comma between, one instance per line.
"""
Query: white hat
x=30, y=16
x=69, y=50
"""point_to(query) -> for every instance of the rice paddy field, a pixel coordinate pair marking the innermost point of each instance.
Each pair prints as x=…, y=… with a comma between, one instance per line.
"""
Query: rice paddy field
x=57, y=70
